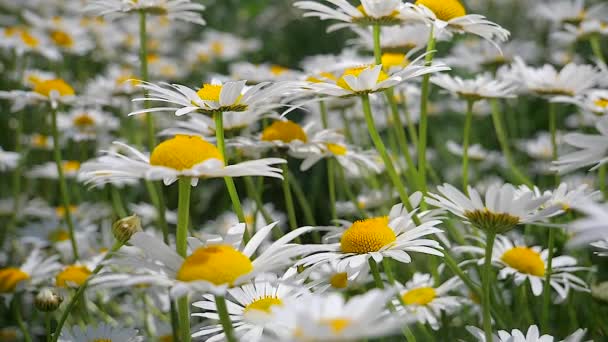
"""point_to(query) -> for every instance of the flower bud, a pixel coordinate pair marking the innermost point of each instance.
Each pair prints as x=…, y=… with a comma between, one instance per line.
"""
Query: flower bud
x=124, y=228
x=47, y=300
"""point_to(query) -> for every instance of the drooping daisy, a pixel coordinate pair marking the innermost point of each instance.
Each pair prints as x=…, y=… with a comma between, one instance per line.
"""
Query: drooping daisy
x=36, y=270
x=188, y=156
x=422, y=299
x=391, y=236
x=517, y=260
x=329, y=317
x=592, y=149
x=184, y=10
x=103, y=332
x=483, y=86
x=504, y=208
x=532, y=335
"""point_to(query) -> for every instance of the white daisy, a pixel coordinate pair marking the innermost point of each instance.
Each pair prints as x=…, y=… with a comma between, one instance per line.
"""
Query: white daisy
x=334, y=276
x=540, y=147
x=594, y=101
x=590, y=228
x=260, y=73
x=52, y=91
x=25, y=40
x=86, y=124
x=35, y=270
x=602, y=246
x=8, y=160
x=184, y=10
x=532, y=335
x=483, y=86
x=477, y=54
x=591, y=150
x=187, y=156
x=103, y=332
x=66, y=33
x=569, y=11
x=48, y=170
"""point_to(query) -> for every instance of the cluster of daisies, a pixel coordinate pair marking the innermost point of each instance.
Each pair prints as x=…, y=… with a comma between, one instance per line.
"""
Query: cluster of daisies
x=158, y=186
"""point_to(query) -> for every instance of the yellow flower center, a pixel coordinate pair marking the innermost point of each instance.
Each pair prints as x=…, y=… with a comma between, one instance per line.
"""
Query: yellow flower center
x=60, y=211
x=337, y=324
x=263, y=304
x=367, y=236
x=217, y=47
x=73, y=274
x=221, y=264
x=46, y=87
x=59, y=235
x=445, y=10
x=322, y=77
x=525, y=260
x=277, y=70
x=10, y=277
x=71, y=166
x=602, y=103
x=183, y=152
x=391, y=59
x=62, y=38
x=285, y=131
x=356, y=72
x=127, y=77
x=210, y=92
x=152, y=58
x=83, y=120
x=339, y=280
x=419, y=296
x=336, y=149
x=39, y=140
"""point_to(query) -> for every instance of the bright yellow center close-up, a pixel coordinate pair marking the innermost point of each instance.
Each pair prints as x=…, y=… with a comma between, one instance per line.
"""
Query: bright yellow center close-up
x=419, y=296
x=445, y=10
x=285, y=131
x=391, y=59
x=356, y=72
x=525, y=260
x=339, y=280
x=277, y=70
x=602, y=102
x=10, y=277
x=83, y=120
x=337, y=325
x=367, y=236
x=322, y=77
x=58, y=235
x=183, y=152
x=73, y=274
x=60, y=211
x=210, y=92
x=338, y=150
x=221, y=264
x=58, y=85
x=62, y=38
x=264, y=304
x=71, y=166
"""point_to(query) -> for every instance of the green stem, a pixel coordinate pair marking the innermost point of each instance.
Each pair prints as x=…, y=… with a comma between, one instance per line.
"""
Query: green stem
x=347, y=131
x=302, y=201
x=597, y=47
x=349, y=192
x=331, y=184
x=158, y=200
x=143, y=60
x=602, y=179
x=19, y=318
x=183, y=312
x=411, y=128
x=375, y=273
x=323, y=111
x=234, y=195
x=547, y=286
x=423, y=127
x=465, y=146
x=183, y=214
x=377, y=47
x=222, y=310
x=63, y=186
x=386, y=266
x=486, y=283
x=291, y=212
x=117, y=202
x=48, y=317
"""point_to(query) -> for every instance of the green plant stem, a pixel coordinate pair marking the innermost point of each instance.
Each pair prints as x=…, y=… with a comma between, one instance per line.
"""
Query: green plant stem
x=465, y=146
x=331, y=183
x=234, y=195
x=504, y=145
x=547, y=285
x=486, y=284
x=596, y=46
x=63, y=186
x=143, y=60
x=183, y=312
x=375, y=273
x=183, y=215
x=423, y=126
x=81, y=290
x=411, y=128
x=258, y=200
x=302, y=201
x=222, y=310
x=117, y=202
x=287, y=196
x=48, y=318
x=377, y=46
x=346, y=124
x=348, y=191
x=158, y=200
x=19, y=318
x=390, y=168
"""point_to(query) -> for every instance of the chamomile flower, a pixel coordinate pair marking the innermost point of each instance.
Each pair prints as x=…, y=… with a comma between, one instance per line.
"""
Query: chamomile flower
x=504, y=207
x=35, y=270
x=423, y=300
x=48, y=170
x=367, y=199
x=186, y=156
x=103, y=332
x=590, y=228
x=334, y=276
x=53, y=91
x=569, y=11
x=222, y=46
x=260, y=73
x=593, y=101
x=477, y=54
x=483, y=86
x=66, y=33
x=395, y=39
x=393, y=236
x=532, y=335
x=476, y=152
x=184, y=10
x=591, y=149
x=523, y=263
x=540, y=147
x=86, y=124
x=329, y=317
x=568, y=196
x=8, y=160
x=26, y=40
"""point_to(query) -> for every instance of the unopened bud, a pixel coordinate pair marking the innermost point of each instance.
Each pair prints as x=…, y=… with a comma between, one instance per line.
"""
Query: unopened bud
x=48, y=300
x=124, y=228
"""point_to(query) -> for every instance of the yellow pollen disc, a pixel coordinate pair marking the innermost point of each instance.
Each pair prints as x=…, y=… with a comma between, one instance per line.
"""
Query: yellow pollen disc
x=263, y=304
x=356, y=72
x=285, y=131
x=28, y=39
x=217, y=47
x=83, y=120
x=71, y=166
x=10, y=277
x=366, y=236
x=210, y=92
x=152, y=58
x=46, y=87
x=219, y=265
x=59, y=235
x=602, y=103
x=183, y=152
x=62, y=38
x=60, y=211
x=127, y=78
x=445, y=10
x=322, y=77
x=39, y=140
x=339, y=280
x=390, y=60
x=525, y=260
x=277, y=70
x=336, y=149
x=72, y=274
x=419, y=296
x=337, y=324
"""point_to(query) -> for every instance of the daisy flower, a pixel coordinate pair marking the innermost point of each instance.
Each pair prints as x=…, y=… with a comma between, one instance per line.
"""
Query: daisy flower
x=539, y=147
x=524, y=263
x=395, y=39
x=184, y=10
x=86, y=124
x=329, y=317
x=425, y=301
x=28, y=40
x=53, y=91
x=48, y=170
x=187, y=156
x=532, y=335
x=483, y=86
x=593, y=101
x=569, y=11
x=503, y=210
x=103, y=332
x=367, y=199
x=260, y=73
x=66, y=33
x=334, y=276
x=590, y=228
x=8, y=160
x=391, y=236
x=476, y=55
x=35, y=270
x=591, y=150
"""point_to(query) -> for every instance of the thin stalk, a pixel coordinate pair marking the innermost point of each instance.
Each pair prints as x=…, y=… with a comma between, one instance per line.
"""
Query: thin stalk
x=486, y=283
x=346, y=124
x=222, y=310
x=183, y=215
x=143, y=60
x=291, y=211
x=234, y=195
x=331, y=183
x=348, y=191
x=19, y=318
x=423, y=126
x=48, y=317
x=375, y=273
x=377, y=47
x=117, y=202
x=411, y=128
x=465, y=146
x=156, y=196
x=183, y=312
x=596, y=46
x=63, y=186
x=302, y=201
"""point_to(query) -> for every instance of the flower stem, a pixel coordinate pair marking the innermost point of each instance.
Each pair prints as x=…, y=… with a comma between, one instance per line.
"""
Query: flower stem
x=183, y=312
x=465, y=146
x=48, y=317
x=423, y=127
x=596, y=46
x=602, y=179
x=119, y=207
x=143, y=60
x=183, y=215
x=158, y=200
x=234, y=195
x=222, y=310
x=19, y=318
x=487, y=282
x=375, y=273
x=331, y=183
x=377, y=47
x=63, y=186
x=547, y=285
x=289, y=206
x=302, y=201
